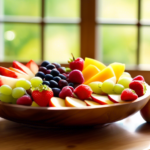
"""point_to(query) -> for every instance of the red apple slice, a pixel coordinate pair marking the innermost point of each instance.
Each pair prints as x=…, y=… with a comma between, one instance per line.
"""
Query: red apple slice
x=101, y=99
x=23, y=68
x=8, y=81
x=57, y=102
x=32, y=66
x=9, y=73
x=91, y=103
x=74, y=102
x=115, y=98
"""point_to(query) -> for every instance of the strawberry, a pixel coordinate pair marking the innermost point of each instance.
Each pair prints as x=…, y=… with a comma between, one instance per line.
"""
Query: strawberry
x=42, y=95
x=76, y=63
x=76, y=76
x=83, y=91
x=66, y=91
x=139, y=78
x=128, y=95
x=138, y=86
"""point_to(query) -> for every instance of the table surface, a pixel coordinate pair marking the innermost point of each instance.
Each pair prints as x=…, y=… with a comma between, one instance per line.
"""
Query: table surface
x=130, y=133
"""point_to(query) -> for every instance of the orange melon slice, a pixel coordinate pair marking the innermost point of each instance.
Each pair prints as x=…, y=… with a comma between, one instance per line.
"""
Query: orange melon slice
x=102, y=75
x=89, y=72
x=118, y=68
x=90, y=61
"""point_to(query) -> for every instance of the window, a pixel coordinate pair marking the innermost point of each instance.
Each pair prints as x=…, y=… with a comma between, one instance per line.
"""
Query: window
x=108, y=30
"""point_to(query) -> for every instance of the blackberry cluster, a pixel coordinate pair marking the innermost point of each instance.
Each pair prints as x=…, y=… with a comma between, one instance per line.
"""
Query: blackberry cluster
x=54, y=76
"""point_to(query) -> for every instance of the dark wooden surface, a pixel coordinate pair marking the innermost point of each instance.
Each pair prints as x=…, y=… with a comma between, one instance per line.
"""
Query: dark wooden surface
x=130, y=133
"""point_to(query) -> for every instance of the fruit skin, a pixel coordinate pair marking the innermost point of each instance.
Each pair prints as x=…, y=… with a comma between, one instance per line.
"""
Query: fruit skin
x=128, y=95
x=24, y=100
x=42, y=97
x=76, y=64
x=83, y=91
x=139, y=77
x=76, y=76
x=66, y=91
x=32, y=66
x=138, y=87
x=145, y=112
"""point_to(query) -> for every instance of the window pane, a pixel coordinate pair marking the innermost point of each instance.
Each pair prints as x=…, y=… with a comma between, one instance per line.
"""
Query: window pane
x=61, y=41
x=62, y=8
x=145, y=45
x=145, y=14
x=117, y=9
x=21, y=42
x=118, y=44
x=22, y=7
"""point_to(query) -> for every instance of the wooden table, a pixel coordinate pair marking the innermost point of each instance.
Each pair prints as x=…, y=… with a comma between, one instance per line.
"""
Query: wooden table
x=131, y=133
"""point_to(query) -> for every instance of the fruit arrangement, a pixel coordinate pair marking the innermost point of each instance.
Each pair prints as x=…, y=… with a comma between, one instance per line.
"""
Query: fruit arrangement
x=84, y=83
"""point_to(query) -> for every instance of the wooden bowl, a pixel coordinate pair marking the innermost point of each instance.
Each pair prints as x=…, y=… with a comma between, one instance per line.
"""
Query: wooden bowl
x=71, y=116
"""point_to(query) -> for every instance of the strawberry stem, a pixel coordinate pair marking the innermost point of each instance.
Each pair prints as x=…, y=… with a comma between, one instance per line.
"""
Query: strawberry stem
x=72, y=56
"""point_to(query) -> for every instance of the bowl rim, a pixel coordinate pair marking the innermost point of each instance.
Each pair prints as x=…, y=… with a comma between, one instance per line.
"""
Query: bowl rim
x=146, y=95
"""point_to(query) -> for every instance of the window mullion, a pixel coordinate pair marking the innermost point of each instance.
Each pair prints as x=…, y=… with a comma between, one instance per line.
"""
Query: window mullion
x=88, y=24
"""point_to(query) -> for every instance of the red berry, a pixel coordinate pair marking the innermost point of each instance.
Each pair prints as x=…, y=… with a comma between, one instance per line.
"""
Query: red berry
x=128, y=95
x=83, y=91
x=66, y=91
x=139, y=77
x=76, y=63
x=24, y=100
x=76, y=76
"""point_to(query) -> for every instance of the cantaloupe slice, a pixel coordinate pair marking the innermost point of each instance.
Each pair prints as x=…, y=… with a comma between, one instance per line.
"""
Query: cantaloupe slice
x=102, y=75
x=118, y=69
x=90, y=61
x=89, y=72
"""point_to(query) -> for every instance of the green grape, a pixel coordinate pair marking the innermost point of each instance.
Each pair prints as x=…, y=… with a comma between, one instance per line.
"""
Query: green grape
x=5, y=98
x=18, y=92
x=36, y=81
x=6, y=89
x=118, y=88
x=96, y=87
x=125, y=81
x=107, y=86
x=34, y=104
x=14, y=100
x=23, y=83
x=126, y=74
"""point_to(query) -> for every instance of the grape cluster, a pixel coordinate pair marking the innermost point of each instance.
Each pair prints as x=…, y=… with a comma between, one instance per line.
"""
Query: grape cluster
x=54, y=76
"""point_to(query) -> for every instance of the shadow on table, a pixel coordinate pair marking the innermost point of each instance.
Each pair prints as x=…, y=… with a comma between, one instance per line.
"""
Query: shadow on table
x=143, y=128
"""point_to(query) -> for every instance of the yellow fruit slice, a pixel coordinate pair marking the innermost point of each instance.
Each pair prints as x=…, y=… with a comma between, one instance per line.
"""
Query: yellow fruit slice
x=89, y=72
x=118, y=69
x=91, y=103
x=102, y=75
x=90, y=61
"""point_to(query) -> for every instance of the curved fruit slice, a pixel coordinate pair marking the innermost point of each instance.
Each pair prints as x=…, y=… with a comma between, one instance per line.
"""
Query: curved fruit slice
x=9, y=73
x=90, y=61
x=118, y=68
x=115, y=98
x=32, y=66
x=91, y=103
x=57, y=102
x=102, y=75
x=8, y=81
x=74, y=102
x=101, y=99
x=89, y=72
x=23, y=68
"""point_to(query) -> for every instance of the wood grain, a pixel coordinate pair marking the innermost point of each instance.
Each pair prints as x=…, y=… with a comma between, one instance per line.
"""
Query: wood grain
x=117, y=136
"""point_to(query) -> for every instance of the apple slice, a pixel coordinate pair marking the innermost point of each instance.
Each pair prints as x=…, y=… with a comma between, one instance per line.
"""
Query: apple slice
x=23, y=68
x=116, y=98
x=8, y=81
x=74, y=102
x=32, y=66
x=57, y=102
x=101, y=99
x=9, y=73
x=91, y=103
